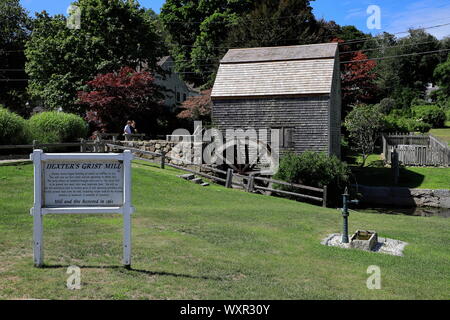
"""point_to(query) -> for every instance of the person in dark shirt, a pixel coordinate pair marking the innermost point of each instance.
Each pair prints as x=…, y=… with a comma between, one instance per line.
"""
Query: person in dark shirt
x=133, y=127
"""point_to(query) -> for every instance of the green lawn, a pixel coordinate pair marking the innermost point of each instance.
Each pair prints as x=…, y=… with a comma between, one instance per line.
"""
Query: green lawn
x=376, y=174
x=192, y=242
x=443, y=134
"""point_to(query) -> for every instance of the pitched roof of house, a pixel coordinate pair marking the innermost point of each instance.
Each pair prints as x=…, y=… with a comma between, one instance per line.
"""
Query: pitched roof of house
x=163, y=60
x=293, y=70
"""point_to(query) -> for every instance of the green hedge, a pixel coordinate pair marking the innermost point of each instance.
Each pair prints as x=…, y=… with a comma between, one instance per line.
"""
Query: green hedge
x=431, y=114
x=13, y=128
x=313, y=169
x=57, y=127
x=403, y=124
x=316, y=170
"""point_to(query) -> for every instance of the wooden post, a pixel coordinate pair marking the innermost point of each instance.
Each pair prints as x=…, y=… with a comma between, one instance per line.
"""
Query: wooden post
x=251, y=183
x=96, y=146
x=229, y=183
x=325, y=196
x=83, y=146
x=163, y=160
x=395, y=165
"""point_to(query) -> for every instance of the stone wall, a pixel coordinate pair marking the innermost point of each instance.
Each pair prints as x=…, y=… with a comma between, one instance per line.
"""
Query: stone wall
x=399, y=197
x=182, y=153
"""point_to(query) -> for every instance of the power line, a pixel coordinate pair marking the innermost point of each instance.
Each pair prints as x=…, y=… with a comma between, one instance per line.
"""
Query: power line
x=388, y=47
x=344, y=62
x=396, y=33
x=398, y=56
x=352, y=41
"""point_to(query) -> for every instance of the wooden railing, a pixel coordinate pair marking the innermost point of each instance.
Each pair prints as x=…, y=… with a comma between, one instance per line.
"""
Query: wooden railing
x=84, y=145
x=249, y=181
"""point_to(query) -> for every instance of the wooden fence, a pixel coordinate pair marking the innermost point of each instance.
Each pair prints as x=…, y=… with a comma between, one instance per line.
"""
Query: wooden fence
x=249, y=182
x=416, y=150
x=229, y=178
x=84, y=145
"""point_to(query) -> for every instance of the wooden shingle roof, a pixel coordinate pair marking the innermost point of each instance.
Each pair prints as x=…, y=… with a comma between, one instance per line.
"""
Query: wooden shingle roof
x=294, y=70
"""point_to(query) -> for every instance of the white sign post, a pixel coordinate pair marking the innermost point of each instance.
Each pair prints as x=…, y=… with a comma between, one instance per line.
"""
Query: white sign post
x=81, y=184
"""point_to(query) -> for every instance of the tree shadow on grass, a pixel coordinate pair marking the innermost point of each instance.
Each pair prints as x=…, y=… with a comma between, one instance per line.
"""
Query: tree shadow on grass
x=147, y=272
x=382, y=177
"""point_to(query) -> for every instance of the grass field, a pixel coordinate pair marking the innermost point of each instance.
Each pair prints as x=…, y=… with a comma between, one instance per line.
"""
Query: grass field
x=443, y=134
x=192, y=242
x=375, y=174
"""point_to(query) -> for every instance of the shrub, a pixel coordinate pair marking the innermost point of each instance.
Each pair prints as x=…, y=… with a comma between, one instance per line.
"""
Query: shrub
x=13, y=128
x=56, y=127
x=386, y=105
x=431, y=114
x=447, y=114
x=404, y=96
x=403, y=124
x=413, y=125
x=313, y=169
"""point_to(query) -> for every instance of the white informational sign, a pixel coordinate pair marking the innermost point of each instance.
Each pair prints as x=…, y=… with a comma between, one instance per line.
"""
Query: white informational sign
x=84, y=183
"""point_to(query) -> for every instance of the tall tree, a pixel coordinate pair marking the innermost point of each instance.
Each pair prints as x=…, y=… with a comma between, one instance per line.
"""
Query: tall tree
x=364, y=124
x=197, y=30
x=113, y=34
x=277, y=23
x=15, y=28
x=442, y=77
x=406, y=69
x=357, y=74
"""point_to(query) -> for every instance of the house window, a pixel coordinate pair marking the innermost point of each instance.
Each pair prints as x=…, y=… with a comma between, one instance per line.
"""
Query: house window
x=184, y=97
x=178, y=97
x=286, y=137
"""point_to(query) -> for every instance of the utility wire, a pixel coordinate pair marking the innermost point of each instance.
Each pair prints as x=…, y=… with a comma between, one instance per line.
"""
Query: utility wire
x=344, y=62
x=396, y=33
x=352, y=41
x=398, y=56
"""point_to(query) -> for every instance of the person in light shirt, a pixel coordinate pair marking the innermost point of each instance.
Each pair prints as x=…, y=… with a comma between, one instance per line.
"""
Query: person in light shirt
x=128, y=130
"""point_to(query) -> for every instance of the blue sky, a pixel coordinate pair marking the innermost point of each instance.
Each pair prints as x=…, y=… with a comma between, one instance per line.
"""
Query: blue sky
x=396, y=15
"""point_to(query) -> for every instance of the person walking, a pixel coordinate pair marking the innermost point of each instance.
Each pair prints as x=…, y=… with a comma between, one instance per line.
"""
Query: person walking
x=127, y=131
x=133, y=127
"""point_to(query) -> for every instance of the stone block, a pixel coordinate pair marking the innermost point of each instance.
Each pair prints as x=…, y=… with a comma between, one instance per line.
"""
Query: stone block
x=364, y=240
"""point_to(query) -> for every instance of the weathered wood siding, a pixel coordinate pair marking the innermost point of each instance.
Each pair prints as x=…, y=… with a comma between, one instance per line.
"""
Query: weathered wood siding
x=309, y=116
x=335, y=108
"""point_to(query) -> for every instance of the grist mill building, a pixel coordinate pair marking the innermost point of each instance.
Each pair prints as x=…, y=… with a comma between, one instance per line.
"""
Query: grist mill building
x=295, y=89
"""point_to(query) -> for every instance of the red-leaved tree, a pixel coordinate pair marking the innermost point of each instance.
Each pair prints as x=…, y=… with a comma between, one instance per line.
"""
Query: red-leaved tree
x=358, y=77
x=113, y=98
x=197, y=107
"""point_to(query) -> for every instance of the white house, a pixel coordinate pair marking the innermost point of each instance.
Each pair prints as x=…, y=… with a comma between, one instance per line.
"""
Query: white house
x=177, y=91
